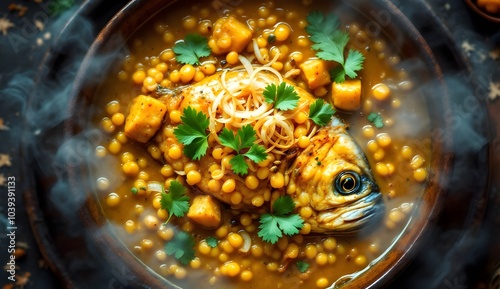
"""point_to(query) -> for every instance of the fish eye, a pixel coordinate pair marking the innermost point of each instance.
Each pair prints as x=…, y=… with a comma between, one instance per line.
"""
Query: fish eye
x=347, y=183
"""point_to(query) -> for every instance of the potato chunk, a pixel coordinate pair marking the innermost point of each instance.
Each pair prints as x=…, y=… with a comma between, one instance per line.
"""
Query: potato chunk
x=315, y=73
x=347, y=95
x=205, y=211
x=229, y=34
x=145, y=118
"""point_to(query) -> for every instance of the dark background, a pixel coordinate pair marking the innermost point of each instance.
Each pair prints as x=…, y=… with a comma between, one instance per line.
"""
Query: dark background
x=463, y=251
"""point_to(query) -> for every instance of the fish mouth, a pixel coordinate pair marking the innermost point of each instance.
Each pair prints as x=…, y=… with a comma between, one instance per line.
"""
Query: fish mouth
x=355, y=217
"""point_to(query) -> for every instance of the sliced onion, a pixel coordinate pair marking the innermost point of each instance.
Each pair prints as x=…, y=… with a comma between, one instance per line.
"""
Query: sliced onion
x=154, y=186
x=247, y=241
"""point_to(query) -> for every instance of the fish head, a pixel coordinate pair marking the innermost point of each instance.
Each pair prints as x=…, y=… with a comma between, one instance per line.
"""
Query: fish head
x=332, y=179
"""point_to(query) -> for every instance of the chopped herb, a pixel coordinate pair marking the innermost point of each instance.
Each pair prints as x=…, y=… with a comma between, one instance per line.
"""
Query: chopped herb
x=182, y=247
x=244, y=139
x=271, y=38
x=330, y=44
x=376, y=119
x=134, y=191
x=302, y=266
x=57, y=7
x=143, y=188
x=191, y=49
x=211, y=241
x=193, y=133
x=281, y=221
x=321, y=112
x=283, y=96
x=175, y=202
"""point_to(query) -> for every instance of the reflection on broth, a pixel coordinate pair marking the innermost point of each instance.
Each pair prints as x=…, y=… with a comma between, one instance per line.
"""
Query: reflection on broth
x=262, y=188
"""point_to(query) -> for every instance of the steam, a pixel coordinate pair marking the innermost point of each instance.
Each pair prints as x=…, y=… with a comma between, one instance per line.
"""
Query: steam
x=43, y=103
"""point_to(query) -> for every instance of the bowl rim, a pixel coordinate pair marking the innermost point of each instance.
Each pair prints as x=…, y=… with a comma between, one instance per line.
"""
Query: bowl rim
x=383, y=270
x=473, y=5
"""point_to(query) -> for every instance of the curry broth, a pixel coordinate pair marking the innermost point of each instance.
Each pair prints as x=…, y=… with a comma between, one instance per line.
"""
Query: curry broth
x=399, y=160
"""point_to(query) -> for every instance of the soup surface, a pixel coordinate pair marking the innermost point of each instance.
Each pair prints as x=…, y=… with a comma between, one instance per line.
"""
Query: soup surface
x=196, y=216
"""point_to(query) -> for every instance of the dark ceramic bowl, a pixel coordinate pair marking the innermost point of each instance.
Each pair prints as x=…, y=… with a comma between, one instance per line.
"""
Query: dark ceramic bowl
x=395, y=26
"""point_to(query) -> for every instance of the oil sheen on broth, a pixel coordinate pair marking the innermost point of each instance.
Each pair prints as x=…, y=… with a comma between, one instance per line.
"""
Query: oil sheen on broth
x=399, y=160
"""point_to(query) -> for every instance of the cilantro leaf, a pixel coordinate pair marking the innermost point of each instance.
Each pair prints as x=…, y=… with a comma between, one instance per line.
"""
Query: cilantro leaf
x=269, y=229
x=193, y=133
x=175, y=202
x=376, y=119
x=57, y=7
x=244, y=139
x=256, y=153
x=330, y=44
x=302, y=266
x=283, y=206
x=211, y=241
x=191, y=49
x=134, y=191
x=321, y=112
x=182, y=247
x=281, y=221
x=283, y=96
x=353, y=63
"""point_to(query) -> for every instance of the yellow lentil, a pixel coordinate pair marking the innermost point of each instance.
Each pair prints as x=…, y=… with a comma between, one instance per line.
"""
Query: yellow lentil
x=256, y=250
x=208, y=68
x=130, y=226
x=232, y=57
x=193, y=177
x=228, y=186
x=113, y=200
x=262, y=173
x=406, y=152
x=187, y=73
x=416, y=162
x=246, y=275
x=231, y=268
x=303, y=141
x=381, y=91
x=384, y=140
x=360, y=260
x=180, y=273
x=322, y=282
x=235, y=240
x=330, y=243
x=379, y=154
x=372, y=146
x=258, y=201
x=311, y=251
x=251, y=182
x=382, y=169
x=146, y=244
x=321, y=259
x=420, y=174
x=175, y=116
x=114, y=146
x=175, y=152
x=204, y=248
x=107, y=125
x=151, y=222
x=221, y=232
x=277, y=180
x=214, y=185
x=195, y=263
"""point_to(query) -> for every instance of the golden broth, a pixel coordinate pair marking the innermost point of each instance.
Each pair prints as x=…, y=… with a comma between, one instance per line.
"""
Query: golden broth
x=399, y=160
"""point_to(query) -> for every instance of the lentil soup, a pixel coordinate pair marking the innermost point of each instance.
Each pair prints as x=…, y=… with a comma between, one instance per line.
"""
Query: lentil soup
x=382, y=106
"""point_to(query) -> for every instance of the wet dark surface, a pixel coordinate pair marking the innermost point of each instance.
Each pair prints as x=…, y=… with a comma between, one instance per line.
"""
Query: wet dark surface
x=460, y=252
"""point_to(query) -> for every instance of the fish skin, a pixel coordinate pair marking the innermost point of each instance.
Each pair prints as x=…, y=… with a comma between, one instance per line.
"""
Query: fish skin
x=332, y=147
